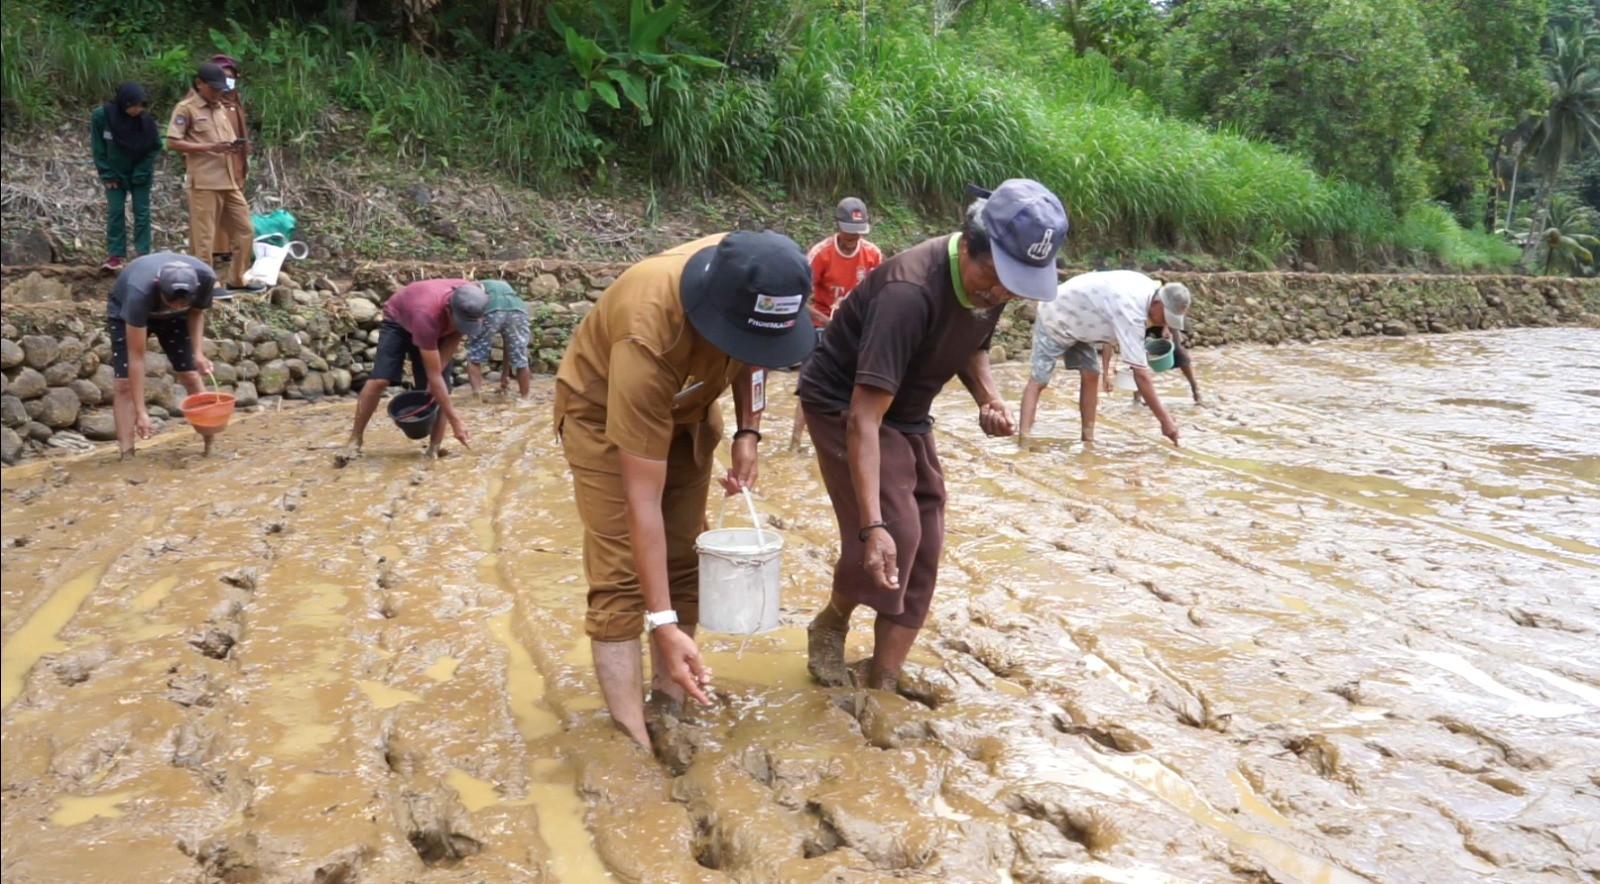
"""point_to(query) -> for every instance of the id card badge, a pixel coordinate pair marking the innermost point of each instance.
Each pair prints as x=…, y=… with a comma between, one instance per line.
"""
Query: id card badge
x=758, y=390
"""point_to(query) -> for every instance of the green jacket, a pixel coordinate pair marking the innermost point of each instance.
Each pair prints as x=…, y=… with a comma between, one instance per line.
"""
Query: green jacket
x=112, y=161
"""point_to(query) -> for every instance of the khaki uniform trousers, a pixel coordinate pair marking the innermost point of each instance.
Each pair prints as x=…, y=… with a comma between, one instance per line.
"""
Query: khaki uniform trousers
x=211, y=211
x=616, y=600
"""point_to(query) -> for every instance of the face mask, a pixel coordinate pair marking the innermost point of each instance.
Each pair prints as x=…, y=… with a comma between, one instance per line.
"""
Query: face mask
x=232, y=84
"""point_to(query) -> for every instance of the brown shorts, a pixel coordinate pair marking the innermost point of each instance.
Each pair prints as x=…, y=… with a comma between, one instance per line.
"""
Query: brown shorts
x=911, y=496
x=616, y=601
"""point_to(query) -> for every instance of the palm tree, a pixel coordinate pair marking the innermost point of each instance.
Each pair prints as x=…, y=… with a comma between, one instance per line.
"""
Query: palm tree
x=1569, y=243
x=1572, y=119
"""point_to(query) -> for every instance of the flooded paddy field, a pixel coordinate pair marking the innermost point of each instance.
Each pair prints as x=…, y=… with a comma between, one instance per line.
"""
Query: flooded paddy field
x=1350, y=631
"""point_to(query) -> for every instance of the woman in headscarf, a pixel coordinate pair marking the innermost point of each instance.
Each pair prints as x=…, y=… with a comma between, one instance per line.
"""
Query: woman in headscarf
x=126, y=144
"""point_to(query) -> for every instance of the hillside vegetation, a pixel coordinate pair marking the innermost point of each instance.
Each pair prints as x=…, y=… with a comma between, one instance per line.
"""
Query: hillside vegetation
x=1369, y=134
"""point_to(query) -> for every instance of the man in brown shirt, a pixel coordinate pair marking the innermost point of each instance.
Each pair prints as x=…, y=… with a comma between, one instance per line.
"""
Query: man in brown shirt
x=636, y=410
x=922, y=317
x=202, y=129
x=234, y=105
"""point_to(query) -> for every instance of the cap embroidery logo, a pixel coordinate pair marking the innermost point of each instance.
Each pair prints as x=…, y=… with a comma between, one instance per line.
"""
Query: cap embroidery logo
x=781, y=305
x=1041, y=249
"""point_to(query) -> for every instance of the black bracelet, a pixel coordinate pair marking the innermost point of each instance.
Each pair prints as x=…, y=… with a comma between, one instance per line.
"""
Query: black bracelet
x=755, y=433
x=867, y=528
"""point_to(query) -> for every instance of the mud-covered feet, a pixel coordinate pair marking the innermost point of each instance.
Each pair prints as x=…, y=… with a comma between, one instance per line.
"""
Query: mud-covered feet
x=672, y=739
x=825, y=654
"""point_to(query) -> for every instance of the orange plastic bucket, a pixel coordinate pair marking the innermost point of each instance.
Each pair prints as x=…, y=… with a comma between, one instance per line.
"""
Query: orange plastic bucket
x=208, y=413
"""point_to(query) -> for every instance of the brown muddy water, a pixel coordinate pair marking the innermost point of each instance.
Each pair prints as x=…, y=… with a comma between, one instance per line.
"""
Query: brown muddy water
x=1350, y=631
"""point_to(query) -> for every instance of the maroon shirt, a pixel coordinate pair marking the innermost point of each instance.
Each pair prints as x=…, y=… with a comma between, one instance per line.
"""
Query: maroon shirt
x=900, y=330
x=423, y=309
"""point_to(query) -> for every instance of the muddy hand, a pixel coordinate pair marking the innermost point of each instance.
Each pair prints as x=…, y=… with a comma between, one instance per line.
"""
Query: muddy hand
x=142, y=425
x=1170, y=430
x=880, y=561
x=684, y=666
x=461, y=434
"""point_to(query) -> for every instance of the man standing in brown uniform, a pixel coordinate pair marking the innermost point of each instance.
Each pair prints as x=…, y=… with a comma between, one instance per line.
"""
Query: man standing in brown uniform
x=636, y=410
x=202, y=130
x=234, y=105
x=922, y=317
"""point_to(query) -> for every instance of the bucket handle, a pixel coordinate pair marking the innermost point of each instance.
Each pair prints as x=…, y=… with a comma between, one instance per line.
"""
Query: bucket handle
x=750, y=504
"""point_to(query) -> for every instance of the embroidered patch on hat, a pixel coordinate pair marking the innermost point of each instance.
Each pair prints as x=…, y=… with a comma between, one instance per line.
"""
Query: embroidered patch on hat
x=781, y=305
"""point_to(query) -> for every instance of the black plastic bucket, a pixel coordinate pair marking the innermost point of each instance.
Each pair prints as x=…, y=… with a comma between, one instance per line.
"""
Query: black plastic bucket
x=414, y=412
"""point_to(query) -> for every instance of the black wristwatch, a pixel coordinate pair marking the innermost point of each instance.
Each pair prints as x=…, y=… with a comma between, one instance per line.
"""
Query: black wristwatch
x=747, y=430
x=867, y=529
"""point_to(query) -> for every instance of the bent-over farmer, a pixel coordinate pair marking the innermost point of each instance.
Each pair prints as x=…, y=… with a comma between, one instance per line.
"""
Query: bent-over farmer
x=636, y=410
x=163, y=294
x=423, y=323
x=507, y=317
x=1094, y=309
x=924, y=316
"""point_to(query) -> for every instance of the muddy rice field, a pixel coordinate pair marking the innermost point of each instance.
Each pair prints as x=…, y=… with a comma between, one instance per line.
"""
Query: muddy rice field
x=1351, y=631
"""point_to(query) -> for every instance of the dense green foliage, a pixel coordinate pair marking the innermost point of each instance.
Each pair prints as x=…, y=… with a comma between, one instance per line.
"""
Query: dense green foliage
x=1254, y=129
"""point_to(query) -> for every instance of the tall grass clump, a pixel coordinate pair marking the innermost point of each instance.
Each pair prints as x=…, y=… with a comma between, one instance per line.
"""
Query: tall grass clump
x=46, y=61
x=1430, y=229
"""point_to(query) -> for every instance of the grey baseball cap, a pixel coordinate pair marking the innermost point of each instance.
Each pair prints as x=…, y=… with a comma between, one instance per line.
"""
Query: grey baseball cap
x=177, y=278
x=1027, y=226
x=468, y=304
x=1175, y=303
x=851, y=216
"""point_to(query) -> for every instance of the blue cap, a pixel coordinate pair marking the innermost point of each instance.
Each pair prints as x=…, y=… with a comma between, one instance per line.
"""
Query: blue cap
x=1027, y=226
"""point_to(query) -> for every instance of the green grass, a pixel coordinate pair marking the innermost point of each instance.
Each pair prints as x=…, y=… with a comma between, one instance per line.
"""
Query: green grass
x=900, y=118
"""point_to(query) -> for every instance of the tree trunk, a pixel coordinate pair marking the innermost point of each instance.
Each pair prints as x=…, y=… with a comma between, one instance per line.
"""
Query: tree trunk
x=1491, y=207
x=502, y=24
x=1511, y=196
x=1547, y=193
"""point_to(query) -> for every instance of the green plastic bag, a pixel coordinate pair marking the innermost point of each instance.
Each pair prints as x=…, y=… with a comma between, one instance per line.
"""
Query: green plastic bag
x=279, y=221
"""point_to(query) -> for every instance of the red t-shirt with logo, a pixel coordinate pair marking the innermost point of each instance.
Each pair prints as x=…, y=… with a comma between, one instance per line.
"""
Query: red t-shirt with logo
x=833, y=274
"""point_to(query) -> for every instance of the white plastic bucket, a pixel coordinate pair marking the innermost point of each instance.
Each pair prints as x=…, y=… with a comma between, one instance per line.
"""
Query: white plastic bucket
x=740, y=576
x=270, y=252
x=1125, y=381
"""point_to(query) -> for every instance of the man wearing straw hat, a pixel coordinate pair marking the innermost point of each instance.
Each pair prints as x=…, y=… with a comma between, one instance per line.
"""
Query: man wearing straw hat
x=1094, y=309
x=924, y=316
x=423, y=323
x=165, y=294
x=636, y=408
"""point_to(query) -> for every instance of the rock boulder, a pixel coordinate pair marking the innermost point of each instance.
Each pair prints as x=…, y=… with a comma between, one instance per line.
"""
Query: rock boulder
x=10, y=446
x=98, y=426
x=39, y=351
x=28, y=384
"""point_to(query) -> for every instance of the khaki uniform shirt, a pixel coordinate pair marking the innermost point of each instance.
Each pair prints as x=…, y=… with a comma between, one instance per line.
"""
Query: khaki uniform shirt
x=195, y=121
x=636, y=373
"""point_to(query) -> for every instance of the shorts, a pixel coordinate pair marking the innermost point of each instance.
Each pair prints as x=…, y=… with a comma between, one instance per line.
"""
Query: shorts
x=1180, y=356
x=395, y=348
x=512, y=326
x=911, y=496
x=1046, y=350
x=171, y=331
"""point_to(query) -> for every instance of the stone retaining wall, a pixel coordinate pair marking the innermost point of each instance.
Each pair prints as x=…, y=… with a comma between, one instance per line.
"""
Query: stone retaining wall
x=301, y=342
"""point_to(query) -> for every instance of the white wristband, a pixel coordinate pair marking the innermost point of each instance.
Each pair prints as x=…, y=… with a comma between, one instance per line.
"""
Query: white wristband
x=657, y=619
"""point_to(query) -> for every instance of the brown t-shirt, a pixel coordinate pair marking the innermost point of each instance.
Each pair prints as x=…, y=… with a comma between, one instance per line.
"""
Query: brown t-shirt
x=196, y=121
x=636, y=373
x=900, y=330
x=423, y=309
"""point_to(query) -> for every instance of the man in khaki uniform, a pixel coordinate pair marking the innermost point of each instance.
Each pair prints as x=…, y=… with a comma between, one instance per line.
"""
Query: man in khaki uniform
x=202, y=130
x=636, y=409
x=241, y=128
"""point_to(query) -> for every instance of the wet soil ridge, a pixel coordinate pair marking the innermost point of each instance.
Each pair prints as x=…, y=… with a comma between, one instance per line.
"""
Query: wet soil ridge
x=307, y=341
